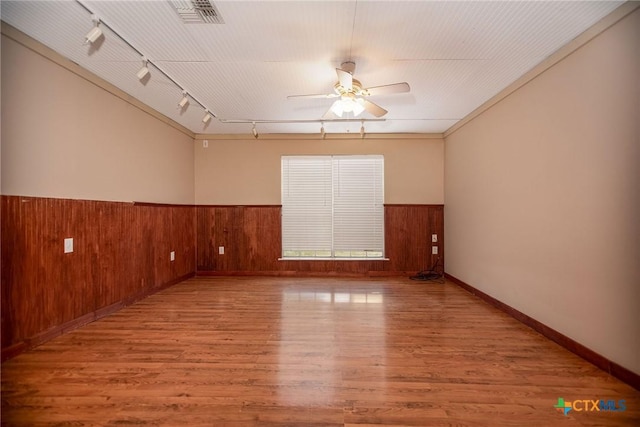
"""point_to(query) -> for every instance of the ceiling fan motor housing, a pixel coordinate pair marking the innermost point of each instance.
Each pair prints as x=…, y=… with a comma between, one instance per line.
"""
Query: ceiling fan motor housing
x=349, y=67
x=356, y=88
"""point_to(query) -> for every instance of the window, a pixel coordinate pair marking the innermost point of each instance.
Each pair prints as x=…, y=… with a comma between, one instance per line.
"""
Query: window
x=333, y=207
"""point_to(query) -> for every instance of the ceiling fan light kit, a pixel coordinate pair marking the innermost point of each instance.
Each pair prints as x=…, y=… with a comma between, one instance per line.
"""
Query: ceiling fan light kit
x=347, y=104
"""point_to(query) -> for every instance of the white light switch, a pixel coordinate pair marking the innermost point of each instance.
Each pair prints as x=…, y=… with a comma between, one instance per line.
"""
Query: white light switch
x=434, y=250
x=172, y=256
x=221, y=250
x=205, y=143
x=434, y=238
x=68, y=245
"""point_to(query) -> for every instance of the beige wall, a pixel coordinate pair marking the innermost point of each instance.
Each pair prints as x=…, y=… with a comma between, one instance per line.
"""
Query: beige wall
x=543, y=197
x=65, y=137
x=247, y=172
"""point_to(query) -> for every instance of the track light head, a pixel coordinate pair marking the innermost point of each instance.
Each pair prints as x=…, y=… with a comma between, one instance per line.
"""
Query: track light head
x=93, y=35
x=142, y=73
x=207, y=117
x=254, y=131
x=322, y=132
x=362, y=130
x=184, y=102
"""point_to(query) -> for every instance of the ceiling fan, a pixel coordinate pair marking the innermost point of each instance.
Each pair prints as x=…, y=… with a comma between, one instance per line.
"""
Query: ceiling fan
x=353, y=96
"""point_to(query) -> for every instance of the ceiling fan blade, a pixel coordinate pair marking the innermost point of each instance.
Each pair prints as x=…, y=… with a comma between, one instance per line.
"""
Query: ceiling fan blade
x=345, y=78
x=318, y=95
x=371, y=108
x=387, y=89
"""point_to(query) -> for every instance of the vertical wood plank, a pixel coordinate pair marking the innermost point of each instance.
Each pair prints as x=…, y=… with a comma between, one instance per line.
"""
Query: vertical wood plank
x=205, y=234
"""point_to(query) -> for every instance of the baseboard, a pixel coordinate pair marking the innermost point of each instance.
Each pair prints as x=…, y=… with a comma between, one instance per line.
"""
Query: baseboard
x=14, y=350
x=295, y=273
x=42, y=337
x=575, y=347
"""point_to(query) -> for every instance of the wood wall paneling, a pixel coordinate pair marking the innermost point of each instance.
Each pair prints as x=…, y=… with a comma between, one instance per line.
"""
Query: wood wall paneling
x=121, y=253
x=251, y=236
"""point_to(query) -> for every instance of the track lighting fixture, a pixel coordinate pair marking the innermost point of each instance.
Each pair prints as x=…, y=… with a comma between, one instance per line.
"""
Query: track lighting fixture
x=184, y=102
x=322, y=132
x=362, y=130
x=254, y=131
x=95, y=33
x=142, y=73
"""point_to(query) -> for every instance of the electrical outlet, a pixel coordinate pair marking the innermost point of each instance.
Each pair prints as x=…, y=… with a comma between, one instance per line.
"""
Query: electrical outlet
x=221, y=250
x=434, y=250
x=434, y=238
x=68, y=245
x=172, y=256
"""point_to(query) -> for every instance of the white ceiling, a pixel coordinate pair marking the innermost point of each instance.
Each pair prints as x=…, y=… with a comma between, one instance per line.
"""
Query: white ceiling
x=454, y=55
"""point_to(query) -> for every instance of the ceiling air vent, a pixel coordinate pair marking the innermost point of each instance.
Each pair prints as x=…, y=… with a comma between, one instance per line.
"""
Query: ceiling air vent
x=197, y=11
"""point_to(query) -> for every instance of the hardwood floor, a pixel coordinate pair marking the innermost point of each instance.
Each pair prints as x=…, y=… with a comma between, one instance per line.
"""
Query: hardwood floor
x=311, y=351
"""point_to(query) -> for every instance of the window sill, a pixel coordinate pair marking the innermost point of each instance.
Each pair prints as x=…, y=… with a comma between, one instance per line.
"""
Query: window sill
x=331, y=259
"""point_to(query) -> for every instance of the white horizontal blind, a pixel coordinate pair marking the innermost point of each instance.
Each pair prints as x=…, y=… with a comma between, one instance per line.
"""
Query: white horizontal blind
x=358, y=206
x=306, y=206
x=333, y=206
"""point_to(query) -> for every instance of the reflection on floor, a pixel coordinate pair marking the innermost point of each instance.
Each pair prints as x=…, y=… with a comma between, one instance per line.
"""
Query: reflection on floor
x=313, y=324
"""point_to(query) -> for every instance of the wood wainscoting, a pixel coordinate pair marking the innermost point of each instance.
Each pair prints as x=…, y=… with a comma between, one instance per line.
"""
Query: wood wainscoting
x=121, y=253
x=251, y=236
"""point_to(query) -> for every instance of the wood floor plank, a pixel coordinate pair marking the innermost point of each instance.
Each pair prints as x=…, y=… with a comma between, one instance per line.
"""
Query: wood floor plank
x=249, y=351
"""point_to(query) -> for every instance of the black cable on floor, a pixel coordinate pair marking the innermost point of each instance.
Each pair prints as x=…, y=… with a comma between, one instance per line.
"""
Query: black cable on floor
x=430, y=275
